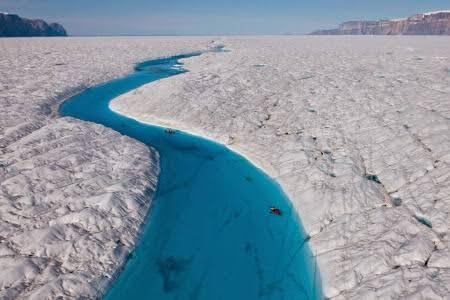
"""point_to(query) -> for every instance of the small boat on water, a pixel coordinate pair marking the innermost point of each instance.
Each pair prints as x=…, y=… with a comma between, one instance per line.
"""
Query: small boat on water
x=275, y=211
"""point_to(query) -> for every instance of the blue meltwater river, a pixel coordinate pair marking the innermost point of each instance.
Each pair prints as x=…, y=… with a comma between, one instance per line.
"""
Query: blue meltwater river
x=210, y=233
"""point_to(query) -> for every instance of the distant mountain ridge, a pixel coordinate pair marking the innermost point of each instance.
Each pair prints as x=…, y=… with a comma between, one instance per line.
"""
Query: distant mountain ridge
x=432, y=23
x=12, y=25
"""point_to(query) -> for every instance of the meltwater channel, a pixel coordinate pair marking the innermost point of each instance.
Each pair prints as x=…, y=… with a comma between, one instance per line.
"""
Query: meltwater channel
x=210, y=233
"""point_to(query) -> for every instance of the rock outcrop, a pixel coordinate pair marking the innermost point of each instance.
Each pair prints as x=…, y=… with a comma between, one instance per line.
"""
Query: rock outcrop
x=434, y=23
x=14, y=26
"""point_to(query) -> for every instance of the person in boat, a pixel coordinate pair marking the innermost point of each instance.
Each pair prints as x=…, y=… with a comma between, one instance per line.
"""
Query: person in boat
x=170, y=131
x=275, y=211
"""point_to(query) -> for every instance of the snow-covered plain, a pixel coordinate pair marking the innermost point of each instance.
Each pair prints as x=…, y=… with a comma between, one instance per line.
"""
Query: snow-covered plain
x=357, y=132
x=73, y=195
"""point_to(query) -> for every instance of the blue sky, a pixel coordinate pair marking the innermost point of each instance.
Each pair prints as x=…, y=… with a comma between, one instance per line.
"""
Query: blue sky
x=211, y=17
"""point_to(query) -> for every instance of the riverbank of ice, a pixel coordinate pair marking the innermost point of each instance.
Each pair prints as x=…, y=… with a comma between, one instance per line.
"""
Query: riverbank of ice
x=355, y=129
x=73, y=195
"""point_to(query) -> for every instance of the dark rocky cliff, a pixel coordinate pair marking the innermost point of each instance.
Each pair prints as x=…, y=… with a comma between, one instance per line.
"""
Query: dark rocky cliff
x=436, y=23
x=15, y=26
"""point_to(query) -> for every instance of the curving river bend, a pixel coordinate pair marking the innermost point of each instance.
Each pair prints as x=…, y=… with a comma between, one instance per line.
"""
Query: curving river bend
x=210, y=234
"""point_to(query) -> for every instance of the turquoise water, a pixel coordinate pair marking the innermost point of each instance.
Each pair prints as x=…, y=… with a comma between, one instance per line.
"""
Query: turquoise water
x=210, y=234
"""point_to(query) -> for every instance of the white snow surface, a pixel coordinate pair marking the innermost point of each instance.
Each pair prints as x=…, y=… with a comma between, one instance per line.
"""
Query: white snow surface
x=436, y=12
x=357, y=132
x=398, y=19
x=73, y=195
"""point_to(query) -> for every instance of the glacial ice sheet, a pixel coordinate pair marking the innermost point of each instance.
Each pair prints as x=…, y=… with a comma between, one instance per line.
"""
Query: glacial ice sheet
x=357, y=132
x=73, y=195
